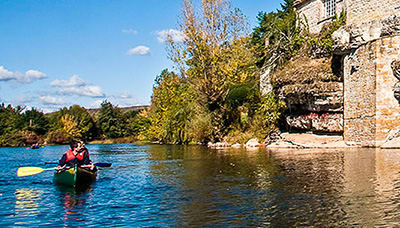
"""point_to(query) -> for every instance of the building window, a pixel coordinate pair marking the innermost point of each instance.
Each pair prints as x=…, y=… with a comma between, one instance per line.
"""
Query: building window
x=330, y=8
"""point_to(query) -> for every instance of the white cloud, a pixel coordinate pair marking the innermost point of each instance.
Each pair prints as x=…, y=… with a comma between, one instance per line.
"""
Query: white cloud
x=129, y=31
x=34, y=74
x=28, y=77
x=124, y=99
x=125, y=95
x=5, y=74
x=175, y=35
x=52, y=101
x=139, y=50
x=87, y=91
x=75, y=80
x=96, y=104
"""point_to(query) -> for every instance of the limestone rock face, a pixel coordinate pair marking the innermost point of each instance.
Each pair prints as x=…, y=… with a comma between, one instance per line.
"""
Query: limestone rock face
x=316, y=97
x=332, y=123
x=313, y=93
x=352, y=36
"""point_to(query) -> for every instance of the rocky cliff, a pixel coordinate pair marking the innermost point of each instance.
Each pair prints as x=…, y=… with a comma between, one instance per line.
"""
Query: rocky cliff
x=313, y=92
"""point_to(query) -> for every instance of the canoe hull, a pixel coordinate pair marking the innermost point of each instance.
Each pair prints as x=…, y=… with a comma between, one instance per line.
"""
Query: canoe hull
x=75, y=176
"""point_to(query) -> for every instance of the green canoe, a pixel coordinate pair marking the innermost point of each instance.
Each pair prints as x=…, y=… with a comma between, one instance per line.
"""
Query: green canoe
x=75, y=176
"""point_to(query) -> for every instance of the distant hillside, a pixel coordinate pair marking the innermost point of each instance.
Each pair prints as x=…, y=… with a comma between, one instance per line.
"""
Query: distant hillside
x=93, y=112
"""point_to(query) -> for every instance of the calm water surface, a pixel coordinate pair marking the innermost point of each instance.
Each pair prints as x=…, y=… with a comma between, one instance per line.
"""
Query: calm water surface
x=188, y=186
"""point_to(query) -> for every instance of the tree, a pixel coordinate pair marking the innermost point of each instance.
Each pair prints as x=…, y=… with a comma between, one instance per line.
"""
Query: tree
x=213, y=56
x=35, y=121
x=278, y=37
x=110, y=121
x=171, y=109
x=70, y=127
x=76, y=116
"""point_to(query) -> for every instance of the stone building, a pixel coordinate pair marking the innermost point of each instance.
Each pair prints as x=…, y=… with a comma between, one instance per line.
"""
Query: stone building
x=317, y=12
x=369, y=45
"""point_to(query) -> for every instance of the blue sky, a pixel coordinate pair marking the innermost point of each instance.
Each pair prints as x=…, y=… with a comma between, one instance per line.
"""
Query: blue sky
x=54, y=54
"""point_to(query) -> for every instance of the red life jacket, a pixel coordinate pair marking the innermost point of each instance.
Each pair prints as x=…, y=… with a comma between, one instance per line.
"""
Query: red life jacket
x=70, y=155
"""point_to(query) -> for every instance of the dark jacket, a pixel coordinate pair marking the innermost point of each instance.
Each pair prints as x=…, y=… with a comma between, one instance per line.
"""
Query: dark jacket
x=68, y=159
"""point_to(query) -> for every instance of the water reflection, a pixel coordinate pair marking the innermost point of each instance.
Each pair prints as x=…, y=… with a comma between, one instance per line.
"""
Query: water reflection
x=74, y=201
x=341, y=187
x=26, y=205
x=190, y=186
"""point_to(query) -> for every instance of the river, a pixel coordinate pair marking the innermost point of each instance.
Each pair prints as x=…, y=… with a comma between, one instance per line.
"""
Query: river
x=191, y=186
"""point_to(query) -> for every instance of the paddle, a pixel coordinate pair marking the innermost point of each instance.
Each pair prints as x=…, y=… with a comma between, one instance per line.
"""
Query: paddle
x=96, y=164
x=28, y=171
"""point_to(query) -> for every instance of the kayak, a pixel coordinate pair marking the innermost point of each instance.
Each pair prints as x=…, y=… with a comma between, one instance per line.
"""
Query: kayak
x=75, y=176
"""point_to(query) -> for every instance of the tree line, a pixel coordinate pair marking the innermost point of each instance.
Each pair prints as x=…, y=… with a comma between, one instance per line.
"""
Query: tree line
x=21, y=127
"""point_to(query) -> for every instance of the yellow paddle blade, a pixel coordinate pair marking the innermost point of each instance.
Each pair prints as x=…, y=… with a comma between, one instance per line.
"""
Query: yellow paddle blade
x=28, y=171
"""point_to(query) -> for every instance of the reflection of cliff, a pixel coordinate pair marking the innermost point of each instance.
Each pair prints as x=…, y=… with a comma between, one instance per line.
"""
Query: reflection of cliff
x=357, y=195
x=371, y=190
x=284, y=188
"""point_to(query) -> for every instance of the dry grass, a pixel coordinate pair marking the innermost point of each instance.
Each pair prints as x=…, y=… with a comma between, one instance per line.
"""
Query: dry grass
x=304, y=70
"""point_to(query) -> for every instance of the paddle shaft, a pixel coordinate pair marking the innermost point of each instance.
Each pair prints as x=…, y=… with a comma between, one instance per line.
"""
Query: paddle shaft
x=96, y=164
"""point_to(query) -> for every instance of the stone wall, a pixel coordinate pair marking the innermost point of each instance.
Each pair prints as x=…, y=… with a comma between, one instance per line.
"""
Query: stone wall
x=366, y=10
x=314, y=11
x=360, y=96
x=371, y=110
x=387, y=106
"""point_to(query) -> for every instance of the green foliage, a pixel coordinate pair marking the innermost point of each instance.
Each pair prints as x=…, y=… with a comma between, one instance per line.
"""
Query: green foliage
x=170, y=112
x=35, y=121
x=271, y=109
x=322, y=43
x=278, y=36
x=213, y=57
x=110, y=121
x=139, y=125
x=18, y=128
x=74, y=123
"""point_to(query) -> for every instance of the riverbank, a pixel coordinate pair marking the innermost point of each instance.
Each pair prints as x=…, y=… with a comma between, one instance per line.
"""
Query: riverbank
x=308, y=140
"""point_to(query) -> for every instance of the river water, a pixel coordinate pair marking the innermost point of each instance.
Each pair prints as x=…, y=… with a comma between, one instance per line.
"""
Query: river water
x=190, y=186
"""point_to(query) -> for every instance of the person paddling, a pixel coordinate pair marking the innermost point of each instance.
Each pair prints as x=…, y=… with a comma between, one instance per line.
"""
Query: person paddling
x=78, y=154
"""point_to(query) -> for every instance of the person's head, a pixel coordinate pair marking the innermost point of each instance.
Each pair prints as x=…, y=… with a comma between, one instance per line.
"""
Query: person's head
x=73, y=145
x=77, y=145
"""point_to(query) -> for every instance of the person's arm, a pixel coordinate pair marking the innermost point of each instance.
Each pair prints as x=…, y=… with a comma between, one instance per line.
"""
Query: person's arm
x=62, y=161
x=86, y=159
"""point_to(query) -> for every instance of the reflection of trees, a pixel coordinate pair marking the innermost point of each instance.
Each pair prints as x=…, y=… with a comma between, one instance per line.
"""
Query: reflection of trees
x=27, y=205
x=211, y=185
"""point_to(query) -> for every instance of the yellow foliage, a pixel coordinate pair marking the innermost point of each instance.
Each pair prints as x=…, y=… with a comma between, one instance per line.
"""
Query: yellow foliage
x=70, y=127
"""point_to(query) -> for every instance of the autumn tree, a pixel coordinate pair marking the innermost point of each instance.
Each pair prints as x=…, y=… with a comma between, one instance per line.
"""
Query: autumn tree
x=170, y=109
x=213, y=56
x=74, y=122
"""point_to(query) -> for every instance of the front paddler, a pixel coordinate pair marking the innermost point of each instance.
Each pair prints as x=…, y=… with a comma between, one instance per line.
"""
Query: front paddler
x=76, y=155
